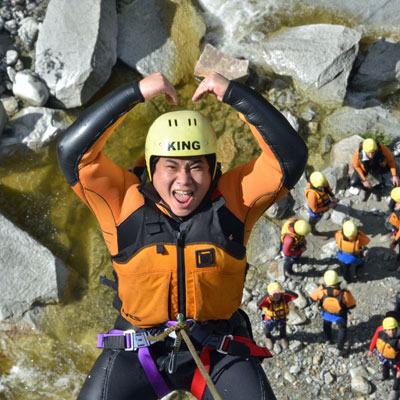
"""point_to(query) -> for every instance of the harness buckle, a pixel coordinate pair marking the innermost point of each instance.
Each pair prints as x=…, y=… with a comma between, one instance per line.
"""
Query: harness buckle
x=221, y=346
x=135, y=340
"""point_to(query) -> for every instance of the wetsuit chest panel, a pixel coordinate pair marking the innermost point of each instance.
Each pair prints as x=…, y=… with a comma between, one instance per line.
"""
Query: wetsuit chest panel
x=148, y=226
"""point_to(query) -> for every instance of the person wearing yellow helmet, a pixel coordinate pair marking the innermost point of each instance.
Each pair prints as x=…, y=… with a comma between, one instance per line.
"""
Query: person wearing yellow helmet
x=319, y=197
x=350, y=242
x=386, y=342
x=372, y=158
x=334, y=304
x=177, y=229
x=293, y=233
x=275, y=307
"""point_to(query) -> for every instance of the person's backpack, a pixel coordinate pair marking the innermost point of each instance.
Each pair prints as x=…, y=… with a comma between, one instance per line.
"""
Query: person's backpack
x=330, y=303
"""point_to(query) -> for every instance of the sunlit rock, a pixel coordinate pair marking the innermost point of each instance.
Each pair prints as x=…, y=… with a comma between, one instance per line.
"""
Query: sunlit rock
x=343, y=151
x=332, y=49
x=30, y=273
x=30, y=88
x=212, y=59
x=28, y=31
x=374, y=16
x=361, y=385
x=76, y=61
x=264, y=243
x=348, y=121
x=157, y=37
x=34, y=128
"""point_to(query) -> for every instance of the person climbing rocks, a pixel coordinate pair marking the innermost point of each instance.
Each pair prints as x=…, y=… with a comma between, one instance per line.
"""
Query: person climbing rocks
x=335, y=304
x=177, y=231
x=294, y=243
x=275, y=307
x=386, y=341
x=320, y=198
x=372, y=159
x=350, y=242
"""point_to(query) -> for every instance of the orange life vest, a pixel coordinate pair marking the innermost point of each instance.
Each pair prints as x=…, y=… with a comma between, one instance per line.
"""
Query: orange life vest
x=347, y=246
x=388, y=347
x=288, y=229
x=394, y=220
x=276, y=311
x=323, y=196
x=330, y=303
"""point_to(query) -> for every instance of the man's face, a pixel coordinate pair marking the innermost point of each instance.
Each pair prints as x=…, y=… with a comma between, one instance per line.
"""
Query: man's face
x=390, y=332
x=182, y=182
x=370, y=155
x=275, y=296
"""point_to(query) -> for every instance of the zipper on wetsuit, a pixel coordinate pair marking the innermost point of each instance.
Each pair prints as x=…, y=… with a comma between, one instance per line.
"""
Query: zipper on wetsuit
x=180, y=245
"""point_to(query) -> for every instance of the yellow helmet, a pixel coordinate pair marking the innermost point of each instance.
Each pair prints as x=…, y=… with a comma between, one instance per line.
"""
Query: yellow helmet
x=331, y=277
x=395, y=194
x=275, y=287
x=390, y=323
x=181, y=133
x=318, y=179
x=369, y=145
x=302, y=227
x=350, y=229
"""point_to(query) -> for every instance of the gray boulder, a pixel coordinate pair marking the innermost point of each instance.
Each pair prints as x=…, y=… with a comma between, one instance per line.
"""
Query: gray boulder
x=343, y=151
x=264, y=243
x=333, y=51
x=347, y=121
x=374, y=16
x=30, y=88
x=379, y=72
x=149, y=45
x=75, y=59
x=30, y=273
x=28, y=31
x=34, y=128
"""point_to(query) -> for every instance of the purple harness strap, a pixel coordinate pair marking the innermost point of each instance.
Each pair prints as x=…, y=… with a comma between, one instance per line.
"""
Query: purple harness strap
x=152, y=373
x=147, y=362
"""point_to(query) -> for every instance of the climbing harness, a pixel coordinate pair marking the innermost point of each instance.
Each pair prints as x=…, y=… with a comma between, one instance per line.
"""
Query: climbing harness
x=131, y=340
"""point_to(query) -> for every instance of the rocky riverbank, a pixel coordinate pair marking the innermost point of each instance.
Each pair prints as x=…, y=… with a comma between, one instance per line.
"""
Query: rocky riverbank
x=332, y=67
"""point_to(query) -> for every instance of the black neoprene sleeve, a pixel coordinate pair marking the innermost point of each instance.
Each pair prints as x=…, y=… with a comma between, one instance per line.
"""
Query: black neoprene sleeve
x=287, y=146
x=91, y=124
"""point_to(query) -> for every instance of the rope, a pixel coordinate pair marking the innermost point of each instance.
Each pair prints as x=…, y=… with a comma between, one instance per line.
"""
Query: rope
x=182, y=332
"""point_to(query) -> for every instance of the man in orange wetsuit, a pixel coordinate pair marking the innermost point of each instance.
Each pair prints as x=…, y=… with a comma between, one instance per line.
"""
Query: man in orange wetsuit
x=275, y=306
x=386, y=340
x=177, y=229
x=376, y=159
x=350, y=242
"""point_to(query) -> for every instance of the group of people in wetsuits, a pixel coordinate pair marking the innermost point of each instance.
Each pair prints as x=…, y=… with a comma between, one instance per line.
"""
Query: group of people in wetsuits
x=371, y=161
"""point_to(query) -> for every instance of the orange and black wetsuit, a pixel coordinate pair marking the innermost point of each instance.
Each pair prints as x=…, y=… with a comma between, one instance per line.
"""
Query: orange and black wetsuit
x=165, y=265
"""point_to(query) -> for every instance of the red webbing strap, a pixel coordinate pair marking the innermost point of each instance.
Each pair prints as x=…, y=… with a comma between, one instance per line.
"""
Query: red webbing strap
x=198, y=382
x=255, y=350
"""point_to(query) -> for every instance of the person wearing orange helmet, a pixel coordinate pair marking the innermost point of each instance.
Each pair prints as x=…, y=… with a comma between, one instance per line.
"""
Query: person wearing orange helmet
x=177, y=229
x=275, y=306
x=372, y=158
x=386, y=341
